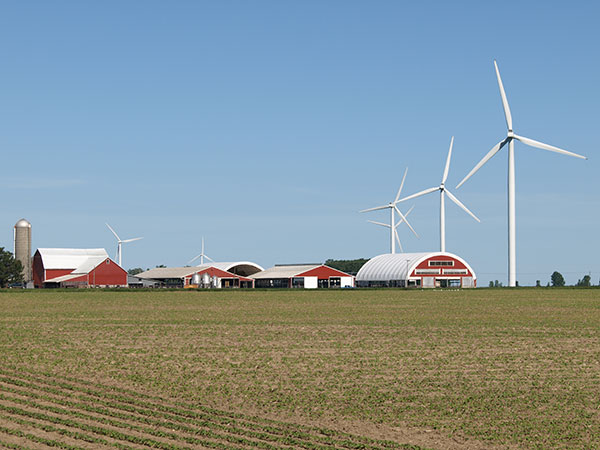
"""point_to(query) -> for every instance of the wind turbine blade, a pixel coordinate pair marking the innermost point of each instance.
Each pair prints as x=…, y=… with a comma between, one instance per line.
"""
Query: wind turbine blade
x=375, y=209
x=507, y=114
x=447, y=168
x=495, y=149
x=406, y=221
x=379, y=223
x=194, y=259
x=113, y=232
x=401, y=185
x=459, y=203
x=398, y=241
x=543, y=146
x=405, y=215
x=134, y=239
x=210, y=259
x=419, y=194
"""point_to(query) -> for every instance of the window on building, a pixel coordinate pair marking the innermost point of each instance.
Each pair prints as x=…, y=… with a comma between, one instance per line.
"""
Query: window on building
x=441, y=263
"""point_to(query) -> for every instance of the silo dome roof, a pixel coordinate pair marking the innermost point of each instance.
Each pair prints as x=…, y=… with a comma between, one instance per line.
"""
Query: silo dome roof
x=22, y=224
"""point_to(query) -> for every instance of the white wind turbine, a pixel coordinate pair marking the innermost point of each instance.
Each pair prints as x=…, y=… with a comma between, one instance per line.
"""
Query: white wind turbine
x=393, y=226
x=443, y=192
x=510, y=138
x=120, y=242
x=201, y=256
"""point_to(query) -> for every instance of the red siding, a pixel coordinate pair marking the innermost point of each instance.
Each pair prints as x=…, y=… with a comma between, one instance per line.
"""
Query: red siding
x=106, y=273
x=323, y=273
x=457, y=265
x=53, y=273
x=38, y=270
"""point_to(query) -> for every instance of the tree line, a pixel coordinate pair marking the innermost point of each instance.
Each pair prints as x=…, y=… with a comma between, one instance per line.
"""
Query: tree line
x=556, y=280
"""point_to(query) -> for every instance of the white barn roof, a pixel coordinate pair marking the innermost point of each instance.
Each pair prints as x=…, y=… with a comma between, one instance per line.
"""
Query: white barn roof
x=71, y=258
x=170, y=272
x=397, y=266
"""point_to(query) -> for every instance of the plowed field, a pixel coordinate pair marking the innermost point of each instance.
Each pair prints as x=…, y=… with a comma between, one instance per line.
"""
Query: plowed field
x=300, y=369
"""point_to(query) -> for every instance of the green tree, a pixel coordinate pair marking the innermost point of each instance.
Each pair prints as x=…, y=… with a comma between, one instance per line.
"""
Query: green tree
x=538, y=283
x=135, y=271
x=557, y=279
x=11, y=270
x=491, y=283
x=585, y=281
x=351, y=266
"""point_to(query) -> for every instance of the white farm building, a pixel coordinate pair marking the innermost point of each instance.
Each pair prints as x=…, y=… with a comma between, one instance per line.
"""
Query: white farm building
x=427, y=270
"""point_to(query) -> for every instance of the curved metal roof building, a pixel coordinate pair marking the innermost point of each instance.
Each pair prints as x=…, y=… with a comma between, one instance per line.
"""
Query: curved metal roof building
x=431, y=269
x=243, y=268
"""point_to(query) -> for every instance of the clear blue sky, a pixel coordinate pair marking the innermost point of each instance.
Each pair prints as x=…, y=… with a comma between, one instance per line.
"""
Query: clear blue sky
x=266, y=126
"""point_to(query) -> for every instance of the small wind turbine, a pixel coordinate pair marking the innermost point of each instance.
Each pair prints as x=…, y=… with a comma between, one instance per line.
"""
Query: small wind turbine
x=510, y=140
x=387, y=225
x=392, y=225
x=120, y=242
x=201, y=256
x=443, y=191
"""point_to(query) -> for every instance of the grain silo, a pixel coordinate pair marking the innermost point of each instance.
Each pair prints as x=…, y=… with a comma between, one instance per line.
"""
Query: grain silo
x=23, y=247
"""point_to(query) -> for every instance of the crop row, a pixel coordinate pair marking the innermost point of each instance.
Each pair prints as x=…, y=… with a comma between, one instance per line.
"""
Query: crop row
x=143, y=406
x=116, y=435
x=72, y=406
x=145, y=416
x=146, y=404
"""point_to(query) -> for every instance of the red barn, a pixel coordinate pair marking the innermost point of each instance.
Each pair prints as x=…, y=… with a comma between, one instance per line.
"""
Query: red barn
x=308, y=276
x=428, y=270
x=75, y=267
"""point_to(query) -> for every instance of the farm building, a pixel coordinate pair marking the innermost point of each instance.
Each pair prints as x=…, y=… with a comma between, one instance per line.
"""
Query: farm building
x=218, y=275
x=76, y=267
x=308, y=276
x=427, y=270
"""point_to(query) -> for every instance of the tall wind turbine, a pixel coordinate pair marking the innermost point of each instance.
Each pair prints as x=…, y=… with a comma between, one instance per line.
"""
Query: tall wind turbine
x=443, y=192
x=510, y=140
x=120, y=242
x=392, y=225
x=201, y=256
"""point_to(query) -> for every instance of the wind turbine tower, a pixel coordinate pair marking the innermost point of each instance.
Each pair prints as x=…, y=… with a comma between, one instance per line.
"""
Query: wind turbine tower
x=202, y=255
x=510, y=140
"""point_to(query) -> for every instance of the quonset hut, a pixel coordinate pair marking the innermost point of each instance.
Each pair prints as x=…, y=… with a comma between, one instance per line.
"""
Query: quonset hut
x=427, y=270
